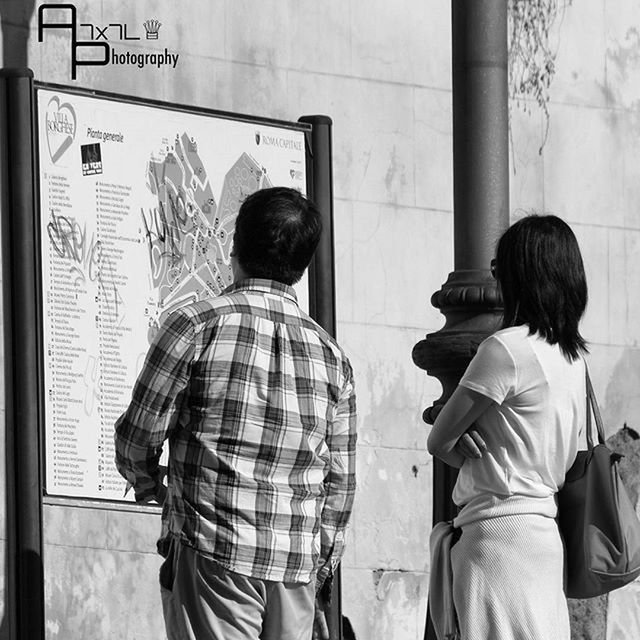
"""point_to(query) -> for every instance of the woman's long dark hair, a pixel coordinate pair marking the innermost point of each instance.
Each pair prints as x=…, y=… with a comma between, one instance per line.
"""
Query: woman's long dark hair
x=541, y=275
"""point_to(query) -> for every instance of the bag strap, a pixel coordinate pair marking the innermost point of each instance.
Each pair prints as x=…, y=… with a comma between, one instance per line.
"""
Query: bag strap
x=592, y=408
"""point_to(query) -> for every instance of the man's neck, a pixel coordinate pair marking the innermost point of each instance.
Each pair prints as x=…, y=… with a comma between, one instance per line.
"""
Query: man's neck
x=238, y=272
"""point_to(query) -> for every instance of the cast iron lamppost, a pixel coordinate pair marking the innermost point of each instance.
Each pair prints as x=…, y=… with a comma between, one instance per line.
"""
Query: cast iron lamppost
x=469, y=299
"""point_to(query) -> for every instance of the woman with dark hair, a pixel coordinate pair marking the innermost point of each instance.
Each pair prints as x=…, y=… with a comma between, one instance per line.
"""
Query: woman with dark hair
x=512, y=427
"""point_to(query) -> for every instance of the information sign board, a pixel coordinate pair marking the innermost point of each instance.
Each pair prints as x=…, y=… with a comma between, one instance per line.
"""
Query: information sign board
x=137, y=210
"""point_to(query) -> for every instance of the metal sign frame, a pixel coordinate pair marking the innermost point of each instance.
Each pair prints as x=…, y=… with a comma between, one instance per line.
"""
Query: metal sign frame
x=23, y=325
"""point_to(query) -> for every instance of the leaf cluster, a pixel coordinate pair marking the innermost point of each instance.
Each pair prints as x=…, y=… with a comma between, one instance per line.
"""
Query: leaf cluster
x=533, y=30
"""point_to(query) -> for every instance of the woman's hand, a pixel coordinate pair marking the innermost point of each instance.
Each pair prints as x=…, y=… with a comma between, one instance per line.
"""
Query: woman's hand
x=471, y=445
x=448, y=439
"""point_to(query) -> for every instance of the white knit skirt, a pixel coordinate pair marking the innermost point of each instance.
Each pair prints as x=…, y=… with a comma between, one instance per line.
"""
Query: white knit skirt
x=507, y=580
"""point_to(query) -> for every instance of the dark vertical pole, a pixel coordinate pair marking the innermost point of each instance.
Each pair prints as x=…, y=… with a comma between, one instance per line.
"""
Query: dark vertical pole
x=480, y=129
x=469, y=299
x=16, y=19
x=21, y=348
x=320, y=180
x=322, y=290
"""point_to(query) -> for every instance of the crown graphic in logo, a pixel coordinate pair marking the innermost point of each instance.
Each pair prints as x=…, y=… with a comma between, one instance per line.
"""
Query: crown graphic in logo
x=152, y=27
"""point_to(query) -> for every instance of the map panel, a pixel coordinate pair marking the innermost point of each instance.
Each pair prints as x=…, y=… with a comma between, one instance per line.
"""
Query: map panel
x=137, y=212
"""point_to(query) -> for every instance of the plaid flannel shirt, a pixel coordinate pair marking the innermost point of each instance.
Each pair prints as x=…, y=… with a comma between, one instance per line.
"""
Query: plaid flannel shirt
x=258, y=405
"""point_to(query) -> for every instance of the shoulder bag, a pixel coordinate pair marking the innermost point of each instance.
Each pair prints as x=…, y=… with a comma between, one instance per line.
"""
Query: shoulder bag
x=597, y=519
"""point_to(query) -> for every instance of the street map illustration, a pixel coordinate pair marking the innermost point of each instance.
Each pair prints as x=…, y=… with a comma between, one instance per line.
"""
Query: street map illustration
x=189, y=234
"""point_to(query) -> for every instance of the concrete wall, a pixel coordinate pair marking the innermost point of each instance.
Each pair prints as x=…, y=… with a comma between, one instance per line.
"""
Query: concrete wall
x=381, y=70
x=589, y=173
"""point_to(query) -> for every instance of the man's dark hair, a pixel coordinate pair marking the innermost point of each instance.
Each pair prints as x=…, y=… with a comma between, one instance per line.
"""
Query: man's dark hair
x=277, y=231
x=541, y=275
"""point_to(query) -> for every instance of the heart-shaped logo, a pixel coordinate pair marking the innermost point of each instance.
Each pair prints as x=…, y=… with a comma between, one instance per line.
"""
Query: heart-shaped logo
x=61, y=127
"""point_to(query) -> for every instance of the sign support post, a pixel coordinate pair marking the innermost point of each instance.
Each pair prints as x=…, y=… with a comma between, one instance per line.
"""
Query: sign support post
x=322, y=290
x=21, y=349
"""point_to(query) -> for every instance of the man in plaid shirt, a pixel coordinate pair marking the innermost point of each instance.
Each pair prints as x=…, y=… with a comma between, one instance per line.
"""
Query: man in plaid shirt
x=258, y=405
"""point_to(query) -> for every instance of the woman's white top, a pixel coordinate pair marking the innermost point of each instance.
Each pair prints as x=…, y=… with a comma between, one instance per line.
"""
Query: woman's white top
x=531, y=429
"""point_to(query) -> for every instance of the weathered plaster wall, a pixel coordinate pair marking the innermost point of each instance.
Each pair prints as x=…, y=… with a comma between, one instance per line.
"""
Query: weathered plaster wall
x=589, y=173
x=381, y=70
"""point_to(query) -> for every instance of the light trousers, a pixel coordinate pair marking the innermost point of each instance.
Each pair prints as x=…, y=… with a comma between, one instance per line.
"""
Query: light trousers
x=202, y=600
